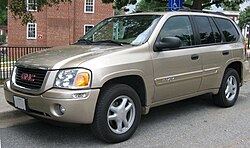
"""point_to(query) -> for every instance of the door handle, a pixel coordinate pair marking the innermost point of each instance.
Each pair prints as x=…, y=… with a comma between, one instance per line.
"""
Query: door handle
x=226, y=52
x=195, y=57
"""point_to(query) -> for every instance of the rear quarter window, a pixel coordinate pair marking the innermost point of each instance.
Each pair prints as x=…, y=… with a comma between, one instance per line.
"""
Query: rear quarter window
x=228, y=29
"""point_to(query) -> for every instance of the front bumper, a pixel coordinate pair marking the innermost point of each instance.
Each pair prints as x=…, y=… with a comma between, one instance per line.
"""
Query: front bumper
x=77, y=110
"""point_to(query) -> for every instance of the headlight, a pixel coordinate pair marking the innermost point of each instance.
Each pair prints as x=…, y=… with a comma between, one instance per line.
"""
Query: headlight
x=73, y=78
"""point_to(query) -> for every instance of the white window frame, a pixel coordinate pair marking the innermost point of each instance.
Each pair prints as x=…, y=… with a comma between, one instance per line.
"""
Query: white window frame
x=32, y=38
x=32, y=10
x=87, y=25
x=85, y=6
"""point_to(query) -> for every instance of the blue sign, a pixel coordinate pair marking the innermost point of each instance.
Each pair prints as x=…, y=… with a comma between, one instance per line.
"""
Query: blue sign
x=174, y=5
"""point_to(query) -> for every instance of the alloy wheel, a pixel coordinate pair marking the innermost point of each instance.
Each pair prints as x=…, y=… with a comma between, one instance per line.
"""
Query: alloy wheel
x=121, y=114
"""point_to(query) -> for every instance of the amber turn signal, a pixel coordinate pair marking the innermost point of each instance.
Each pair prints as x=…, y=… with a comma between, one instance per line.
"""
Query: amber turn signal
x=82, y=79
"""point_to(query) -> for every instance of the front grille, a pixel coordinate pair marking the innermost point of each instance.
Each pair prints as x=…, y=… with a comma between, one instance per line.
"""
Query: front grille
x=30, y=78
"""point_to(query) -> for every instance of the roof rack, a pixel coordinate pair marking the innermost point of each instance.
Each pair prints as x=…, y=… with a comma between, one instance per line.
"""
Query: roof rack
x=201, y=11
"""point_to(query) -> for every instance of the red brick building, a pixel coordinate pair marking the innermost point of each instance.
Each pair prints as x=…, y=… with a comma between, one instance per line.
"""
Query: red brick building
x=58, y=25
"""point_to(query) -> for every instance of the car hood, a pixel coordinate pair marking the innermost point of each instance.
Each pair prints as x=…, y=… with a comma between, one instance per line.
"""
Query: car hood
x=65, y=56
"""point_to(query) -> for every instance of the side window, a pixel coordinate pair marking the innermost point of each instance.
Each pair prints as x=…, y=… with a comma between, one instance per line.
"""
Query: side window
x=217, y=35
x=205, y=30
x=179, y=26
x=228, y=29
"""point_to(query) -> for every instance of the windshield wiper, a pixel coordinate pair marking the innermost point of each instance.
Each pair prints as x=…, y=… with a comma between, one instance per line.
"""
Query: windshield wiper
x=83, y=40
x=111, y=41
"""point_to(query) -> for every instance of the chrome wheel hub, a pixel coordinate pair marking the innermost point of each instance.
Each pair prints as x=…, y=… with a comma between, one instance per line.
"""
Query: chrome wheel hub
x=121, y=114
x=231, y=88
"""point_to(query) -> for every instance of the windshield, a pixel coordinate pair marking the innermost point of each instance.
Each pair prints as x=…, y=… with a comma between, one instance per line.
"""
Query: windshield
x=134, y=29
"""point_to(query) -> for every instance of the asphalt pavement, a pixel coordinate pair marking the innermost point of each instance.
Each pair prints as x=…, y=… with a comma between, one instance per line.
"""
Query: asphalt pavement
x=9, y=116
x=4, y=106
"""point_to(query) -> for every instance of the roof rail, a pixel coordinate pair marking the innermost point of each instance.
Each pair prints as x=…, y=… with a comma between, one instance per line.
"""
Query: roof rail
x=202, y=11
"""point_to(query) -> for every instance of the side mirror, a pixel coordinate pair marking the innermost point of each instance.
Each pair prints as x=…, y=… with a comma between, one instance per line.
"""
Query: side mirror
x=167, y=43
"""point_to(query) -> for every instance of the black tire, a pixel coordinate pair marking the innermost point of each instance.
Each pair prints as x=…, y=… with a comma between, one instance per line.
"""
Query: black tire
x=227, y=100
x=104, y=128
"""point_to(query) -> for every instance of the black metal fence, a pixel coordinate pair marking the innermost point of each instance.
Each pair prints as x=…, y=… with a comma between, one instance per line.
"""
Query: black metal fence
x=9, y=56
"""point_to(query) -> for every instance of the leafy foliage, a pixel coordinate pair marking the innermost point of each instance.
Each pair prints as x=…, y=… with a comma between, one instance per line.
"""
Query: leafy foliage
x=19, y=7
x=145, y=6
x=118, y=4
x=3, y=17
x=244, y=17
x=192, y=4
x=3, y=12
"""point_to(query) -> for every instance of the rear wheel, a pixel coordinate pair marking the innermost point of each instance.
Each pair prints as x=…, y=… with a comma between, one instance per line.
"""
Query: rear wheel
x=118, y=114
x=229, y=89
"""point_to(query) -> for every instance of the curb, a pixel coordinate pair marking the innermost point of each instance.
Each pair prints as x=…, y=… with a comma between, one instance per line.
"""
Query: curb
x=11, y=115
x=248, y=54
x=12, y=118
x=8, y=110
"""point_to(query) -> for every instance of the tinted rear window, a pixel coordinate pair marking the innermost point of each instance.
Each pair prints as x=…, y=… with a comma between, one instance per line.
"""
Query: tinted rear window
x=228, y=29
x=217, y=35
x=205, y=30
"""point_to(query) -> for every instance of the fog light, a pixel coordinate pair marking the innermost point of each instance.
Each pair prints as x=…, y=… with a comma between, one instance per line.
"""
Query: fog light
x=62, y=109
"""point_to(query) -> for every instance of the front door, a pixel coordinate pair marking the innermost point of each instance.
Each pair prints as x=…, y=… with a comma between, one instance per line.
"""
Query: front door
x=177, y=72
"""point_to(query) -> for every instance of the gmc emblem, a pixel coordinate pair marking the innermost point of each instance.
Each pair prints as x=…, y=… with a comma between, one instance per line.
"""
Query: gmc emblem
x=27, y=77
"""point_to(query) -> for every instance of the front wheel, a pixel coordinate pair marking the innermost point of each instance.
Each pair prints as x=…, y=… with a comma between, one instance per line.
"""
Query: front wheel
x=229, y=89
x=118, y=113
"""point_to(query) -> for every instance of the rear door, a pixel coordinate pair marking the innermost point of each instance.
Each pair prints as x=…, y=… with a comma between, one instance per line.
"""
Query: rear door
x=216, y=41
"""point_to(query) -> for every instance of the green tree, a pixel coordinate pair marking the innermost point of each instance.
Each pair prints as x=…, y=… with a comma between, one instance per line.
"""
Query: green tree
x=244, y=17
x=192, y=4
x=18, y=7
x=3, y=12
x=145, y=6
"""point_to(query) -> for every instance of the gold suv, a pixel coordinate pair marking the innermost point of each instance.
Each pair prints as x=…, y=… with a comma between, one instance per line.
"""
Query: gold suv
x=126, y=65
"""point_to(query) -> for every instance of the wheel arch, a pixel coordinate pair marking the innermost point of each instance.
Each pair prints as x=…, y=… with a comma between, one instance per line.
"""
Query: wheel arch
x=238, y=66
x=134, y=81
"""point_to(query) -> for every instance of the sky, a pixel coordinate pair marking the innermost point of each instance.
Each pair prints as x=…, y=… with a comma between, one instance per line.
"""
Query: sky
x=242, y=6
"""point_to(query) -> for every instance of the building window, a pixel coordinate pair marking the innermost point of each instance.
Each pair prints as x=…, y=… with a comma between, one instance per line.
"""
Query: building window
x=87, y=27
x=31, y=31
x=31, y=5
x=89, y=6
